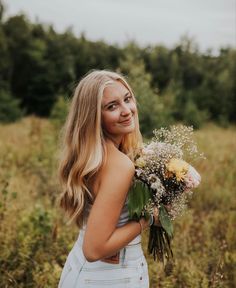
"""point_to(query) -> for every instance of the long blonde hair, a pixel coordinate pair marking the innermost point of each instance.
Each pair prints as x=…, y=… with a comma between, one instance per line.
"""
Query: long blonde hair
x=83, y=146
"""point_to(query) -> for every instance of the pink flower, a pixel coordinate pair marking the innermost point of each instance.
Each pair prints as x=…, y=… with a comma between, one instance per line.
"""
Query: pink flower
x=192, y=178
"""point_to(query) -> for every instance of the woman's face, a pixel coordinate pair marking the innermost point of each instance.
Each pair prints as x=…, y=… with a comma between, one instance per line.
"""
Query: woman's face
x=118, y=111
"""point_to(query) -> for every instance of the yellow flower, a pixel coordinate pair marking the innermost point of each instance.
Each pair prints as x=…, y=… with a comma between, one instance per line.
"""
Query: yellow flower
x=140, y=162
x=177, y=167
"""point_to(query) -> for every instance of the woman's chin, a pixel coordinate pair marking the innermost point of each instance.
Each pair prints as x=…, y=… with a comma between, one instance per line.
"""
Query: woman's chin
x=129, y=129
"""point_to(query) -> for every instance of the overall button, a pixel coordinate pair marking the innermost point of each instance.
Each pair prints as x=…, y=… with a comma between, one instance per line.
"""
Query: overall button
x=141, y=278
x=142, y=264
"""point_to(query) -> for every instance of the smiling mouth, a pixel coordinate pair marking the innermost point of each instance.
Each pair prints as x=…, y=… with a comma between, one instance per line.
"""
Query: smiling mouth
x=127, y=122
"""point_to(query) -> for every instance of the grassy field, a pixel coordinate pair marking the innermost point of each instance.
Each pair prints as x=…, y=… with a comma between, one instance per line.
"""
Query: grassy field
x=34, y=239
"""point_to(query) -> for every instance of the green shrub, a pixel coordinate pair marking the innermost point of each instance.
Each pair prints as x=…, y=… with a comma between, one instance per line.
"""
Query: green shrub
x=9, y=108
x=193, y=116
x=60, y=111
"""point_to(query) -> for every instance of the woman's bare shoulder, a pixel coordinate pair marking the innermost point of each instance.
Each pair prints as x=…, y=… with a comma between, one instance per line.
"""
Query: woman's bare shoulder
x=117, y=165
x=118, y=160
x=115, y=176
x=117, y=168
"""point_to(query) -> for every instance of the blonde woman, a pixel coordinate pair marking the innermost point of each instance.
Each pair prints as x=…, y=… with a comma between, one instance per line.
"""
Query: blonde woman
x=101, y=138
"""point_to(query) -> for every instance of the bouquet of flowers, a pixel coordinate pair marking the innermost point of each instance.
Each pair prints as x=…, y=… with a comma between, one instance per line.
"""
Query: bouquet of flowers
x=163, y=179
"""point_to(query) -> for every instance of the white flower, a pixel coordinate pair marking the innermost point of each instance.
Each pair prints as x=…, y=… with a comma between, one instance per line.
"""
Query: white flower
x=155, y=185
x=138, y=172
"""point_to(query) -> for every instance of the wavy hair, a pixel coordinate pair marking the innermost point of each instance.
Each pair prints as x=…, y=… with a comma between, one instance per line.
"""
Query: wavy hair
x=83, y=143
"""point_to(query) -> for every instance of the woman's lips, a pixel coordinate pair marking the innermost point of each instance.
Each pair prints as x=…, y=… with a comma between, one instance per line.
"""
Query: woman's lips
x=127, y=122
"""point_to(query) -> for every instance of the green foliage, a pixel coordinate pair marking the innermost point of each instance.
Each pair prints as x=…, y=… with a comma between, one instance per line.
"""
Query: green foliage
x=60, y=111
x=28, y=79
x=33, y=244
x=194, y=116
x=138, y=197
x=4, y=60
x=9, y=108
x=165, y=221
x=158, y=61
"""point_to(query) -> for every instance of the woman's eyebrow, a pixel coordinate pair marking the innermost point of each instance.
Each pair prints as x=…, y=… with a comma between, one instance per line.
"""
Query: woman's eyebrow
x=111, y=102
x=127, y=94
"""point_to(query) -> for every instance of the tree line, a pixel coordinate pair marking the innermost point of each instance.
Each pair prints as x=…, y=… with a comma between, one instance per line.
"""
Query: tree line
x=40, y=67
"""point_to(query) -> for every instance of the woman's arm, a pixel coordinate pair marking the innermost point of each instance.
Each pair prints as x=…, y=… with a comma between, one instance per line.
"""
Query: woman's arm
x=102, y=238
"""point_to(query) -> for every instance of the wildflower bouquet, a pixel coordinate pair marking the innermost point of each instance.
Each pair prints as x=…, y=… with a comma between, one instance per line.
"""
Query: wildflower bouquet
x=163, y=179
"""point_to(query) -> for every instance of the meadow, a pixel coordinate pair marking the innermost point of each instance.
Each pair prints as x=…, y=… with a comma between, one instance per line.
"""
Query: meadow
x=35, y=239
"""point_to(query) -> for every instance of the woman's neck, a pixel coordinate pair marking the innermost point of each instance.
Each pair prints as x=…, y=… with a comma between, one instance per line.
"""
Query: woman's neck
x=115, y=141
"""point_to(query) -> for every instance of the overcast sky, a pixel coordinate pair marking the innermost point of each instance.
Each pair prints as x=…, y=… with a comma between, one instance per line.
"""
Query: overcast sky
x=212, y=23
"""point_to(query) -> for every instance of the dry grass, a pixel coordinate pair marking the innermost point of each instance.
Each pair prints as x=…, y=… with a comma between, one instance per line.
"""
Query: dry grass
x=34, y=240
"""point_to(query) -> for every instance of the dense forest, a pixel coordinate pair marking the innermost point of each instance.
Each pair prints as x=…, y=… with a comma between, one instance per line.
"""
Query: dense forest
x=39, y=68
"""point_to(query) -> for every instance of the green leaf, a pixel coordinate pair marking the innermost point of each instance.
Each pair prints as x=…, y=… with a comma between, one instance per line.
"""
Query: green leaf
x=165, y=221
x=138, y=197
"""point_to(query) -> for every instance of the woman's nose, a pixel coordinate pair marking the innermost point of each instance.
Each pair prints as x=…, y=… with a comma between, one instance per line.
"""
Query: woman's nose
x=125, y=110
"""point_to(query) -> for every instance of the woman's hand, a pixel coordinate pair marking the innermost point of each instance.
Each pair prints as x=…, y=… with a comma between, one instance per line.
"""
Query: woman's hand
x=156, y=214
x=145, y=223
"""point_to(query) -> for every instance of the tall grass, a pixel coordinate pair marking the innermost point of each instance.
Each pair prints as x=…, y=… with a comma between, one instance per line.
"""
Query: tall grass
x=34, y=237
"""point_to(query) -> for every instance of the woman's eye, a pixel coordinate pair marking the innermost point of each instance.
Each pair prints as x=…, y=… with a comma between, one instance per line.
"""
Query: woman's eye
x=111, y=107
x=127, y=99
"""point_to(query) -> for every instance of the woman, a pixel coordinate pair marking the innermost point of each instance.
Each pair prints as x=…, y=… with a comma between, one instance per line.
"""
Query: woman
x=101, y=139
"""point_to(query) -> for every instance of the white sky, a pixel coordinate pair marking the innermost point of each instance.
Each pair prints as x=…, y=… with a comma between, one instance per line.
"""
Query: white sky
x=212, y=23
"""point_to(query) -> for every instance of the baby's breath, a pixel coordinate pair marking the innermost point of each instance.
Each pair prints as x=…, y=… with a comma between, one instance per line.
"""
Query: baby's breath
x=151, y=166
x=181, y=137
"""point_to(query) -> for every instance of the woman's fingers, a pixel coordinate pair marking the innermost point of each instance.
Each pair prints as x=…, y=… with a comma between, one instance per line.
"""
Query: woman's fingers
x=156, y=214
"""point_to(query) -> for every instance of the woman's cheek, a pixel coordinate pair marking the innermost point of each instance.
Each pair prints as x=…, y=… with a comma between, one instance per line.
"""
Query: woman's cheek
x=133, y=104
x=133, y=108
x=111, y=118
x=114, y=116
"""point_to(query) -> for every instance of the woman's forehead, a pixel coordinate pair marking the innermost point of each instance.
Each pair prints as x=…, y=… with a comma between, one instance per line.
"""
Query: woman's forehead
x=115, y=90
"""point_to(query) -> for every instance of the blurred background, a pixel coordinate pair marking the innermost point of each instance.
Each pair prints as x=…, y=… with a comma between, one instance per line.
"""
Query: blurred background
x=180, y=59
